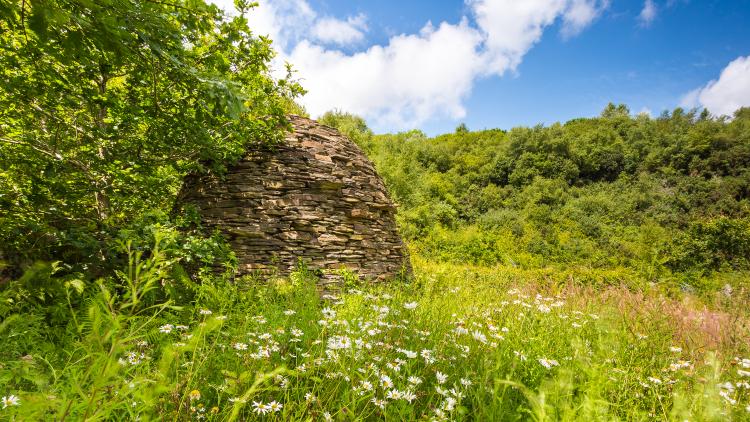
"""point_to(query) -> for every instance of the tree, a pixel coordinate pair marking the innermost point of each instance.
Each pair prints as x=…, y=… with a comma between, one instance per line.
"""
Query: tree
x=105, y=105
x=612, y=111
x=351, y=125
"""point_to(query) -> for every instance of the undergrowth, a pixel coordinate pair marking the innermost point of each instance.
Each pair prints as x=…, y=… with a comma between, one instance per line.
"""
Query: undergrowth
x=455, y=343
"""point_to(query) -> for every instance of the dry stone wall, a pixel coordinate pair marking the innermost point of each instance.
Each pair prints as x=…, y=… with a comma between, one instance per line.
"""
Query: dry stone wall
x=316, y=197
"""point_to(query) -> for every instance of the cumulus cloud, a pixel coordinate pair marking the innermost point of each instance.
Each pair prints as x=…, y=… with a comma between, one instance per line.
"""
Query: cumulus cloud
x=403, y=83
x=412, y=77
x=580, y=14
x=648, y=13
x=336, y=31
x=725, y=95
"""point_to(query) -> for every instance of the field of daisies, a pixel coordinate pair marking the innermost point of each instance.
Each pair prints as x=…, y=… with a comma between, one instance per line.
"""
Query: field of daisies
x=455, y=343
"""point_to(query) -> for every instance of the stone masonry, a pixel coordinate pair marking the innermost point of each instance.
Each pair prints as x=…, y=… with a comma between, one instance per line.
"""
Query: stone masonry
x=315, y=197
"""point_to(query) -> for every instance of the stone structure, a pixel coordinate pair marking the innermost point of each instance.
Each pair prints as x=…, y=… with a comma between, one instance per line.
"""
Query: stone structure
x=315, y=197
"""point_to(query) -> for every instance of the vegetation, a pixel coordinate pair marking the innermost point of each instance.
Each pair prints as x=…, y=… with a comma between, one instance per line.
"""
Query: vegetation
x=105, y=105
x=588, y=270
x=458, y=343
x=623, y=199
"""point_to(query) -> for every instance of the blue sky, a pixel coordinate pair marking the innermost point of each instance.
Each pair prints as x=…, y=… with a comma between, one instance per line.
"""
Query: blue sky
x=502, y=63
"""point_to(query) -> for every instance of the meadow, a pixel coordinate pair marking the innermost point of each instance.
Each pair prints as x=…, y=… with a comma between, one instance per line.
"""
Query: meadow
x=455, y=342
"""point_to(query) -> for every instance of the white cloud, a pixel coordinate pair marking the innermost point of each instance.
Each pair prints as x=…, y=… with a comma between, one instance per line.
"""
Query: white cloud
x=648, y=13
x=580, y=14
x=335, y=31
x=725, y=95
x=412, y=77
x=408, y=81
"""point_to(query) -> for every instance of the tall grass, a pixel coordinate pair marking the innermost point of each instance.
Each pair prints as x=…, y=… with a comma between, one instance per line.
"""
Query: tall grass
x=456, y=343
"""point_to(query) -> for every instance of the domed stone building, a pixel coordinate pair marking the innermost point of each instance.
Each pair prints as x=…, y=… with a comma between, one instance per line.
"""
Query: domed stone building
x=316, y=198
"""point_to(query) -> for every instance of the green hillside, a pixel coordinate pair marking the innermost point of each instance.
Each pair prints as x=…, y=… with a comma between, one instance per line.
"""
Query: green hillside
x=620, y=198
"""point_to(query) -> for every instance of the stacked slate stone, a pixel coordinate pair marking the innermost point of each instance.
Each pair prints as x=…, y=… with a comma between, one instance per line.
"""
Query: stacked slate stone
x=315, y=198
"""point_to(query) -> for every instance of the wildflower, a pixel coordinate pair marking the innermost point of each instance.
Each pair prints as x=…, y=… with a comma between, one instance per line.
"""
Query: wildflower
x=414, y=380
x=339, y=342
x=366, y=385
x=221, y=318
x=745, y=363
x=461, y=331
x=240, y=346
x=275, y=406
x=327, y=417
x=679, y=365
x=409, y=354
x=408, y=395
x=205, y=312
x=11, y=400
x=675, y=349
x=166, y=328
x=290, y=312
x=296, y=332
x=394, y=394
x=386, y=382
x=727, y=386
x=282, y=380
x=260, y=408
x=479, y=336
x=465, y=382
x=450, y=404
x=194, y=395
x=543, y=308
x=310, y=398
x=379, y=403
x=329, y=313
x=441, y=377
x=742, y=373
x=382, y=310
x=132, y=358
x=725, y=395
x=548, y=363
x=410, y=305
x=576, y=325
x=654, y=380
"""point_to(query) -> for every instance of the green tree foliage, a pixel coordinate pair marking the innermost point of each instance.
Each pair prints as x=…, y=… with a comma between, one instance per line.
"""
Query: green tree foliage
x=667, y=197
x=350, y=125
x=105, y=105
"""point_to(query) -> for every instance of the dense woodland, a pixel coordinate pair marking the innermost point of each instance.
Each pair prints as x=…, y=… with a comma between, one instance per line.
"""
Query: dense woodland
x=592, y=270
x=658, y=200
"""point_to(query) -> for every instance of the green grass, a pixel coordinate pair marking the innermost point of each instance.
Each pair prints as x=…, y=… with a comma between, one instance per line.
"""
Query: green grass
x=510, y=345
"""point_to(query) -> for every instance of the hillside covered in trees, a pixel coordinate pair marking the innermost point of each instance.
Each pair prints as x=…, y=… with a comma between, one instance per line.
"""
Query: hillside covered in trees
x=657, y=200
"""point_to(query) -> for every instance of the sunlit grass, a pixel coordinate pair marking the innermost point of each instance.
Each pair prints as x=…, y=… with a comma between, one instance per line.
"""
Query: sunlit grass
x=456, y=343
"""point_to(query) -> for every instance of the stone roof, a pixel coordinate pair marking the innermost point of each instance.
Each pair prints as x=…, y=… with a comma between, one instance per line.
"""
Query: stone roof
x=316, y=197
